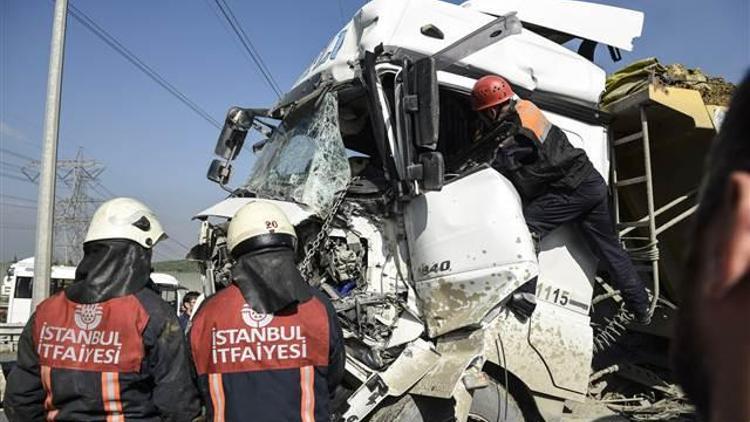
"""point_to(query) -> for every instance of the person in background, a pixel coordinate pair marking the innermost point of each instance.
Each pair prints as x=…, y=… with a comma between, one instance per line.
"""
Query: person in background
x=107, y=347
x=711, y=351
x=268, y=347
x=188, y=305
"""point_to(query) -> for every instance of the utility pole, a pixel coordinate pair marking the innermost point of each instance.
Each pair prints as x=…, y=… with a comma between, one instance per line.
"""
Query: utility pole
x=45, y=203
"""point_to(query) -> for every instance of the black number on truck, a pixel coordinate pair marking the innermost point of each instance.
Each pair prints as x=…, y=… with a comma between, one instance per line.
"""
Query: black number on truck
x=556, y=296
x=435, y=268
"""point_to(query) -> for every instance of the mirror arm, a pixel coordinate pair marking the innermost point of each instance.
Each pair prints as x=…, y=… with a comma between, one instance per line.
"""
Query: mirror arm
x=223, y=186
x=264, y=128
x=415, y=172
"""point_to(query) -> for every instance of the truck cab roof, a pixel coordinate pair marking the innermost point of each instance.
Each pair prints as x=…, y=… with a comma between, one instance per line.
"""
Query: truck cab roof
x=528, y=60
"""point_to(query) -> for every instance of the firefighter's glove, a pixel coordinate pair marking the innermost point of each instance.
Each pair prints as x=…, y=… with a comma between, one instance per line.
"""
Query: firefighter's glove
x=522, y=305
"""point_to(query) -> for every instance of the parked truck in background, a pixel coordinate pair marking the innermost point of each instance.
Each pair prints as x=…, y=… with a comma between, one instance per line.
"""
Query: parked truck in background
x=419, y=243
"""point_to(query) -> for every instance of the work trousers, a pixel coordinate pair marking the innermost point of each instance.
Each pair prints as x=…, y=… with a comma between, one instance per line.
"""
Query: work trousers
x=587, y=205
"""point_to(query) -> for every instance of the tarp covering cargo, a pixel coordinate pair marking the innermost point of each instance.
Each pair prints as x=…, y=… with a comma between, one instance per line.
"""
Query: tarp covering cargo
x=638, y=75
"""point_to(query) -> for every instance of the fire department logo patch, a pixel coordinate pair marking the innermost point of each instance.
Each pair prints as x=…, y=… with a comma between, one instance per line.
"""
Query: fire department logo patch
x=88, y=317
x=255, y=319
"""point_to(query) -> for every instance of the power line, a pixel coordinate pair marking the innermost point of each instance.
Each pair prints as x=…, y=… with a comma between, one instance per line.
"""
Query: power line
x=180, y=243
x=112, y=42
x=341, y=12
x=104, y=188
x=15, y=154
x=2, y=195
x=14, y=177
x=8, y=226
x=249, y=46
x=108, y=193
x=172, y=248
x=11, y=165
x=6, y=204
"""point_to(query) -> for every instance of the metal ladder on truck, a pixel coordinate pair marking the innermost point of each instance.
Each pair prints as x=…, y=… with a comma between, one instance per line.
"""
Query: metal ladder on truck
x=678, y=114
x=649, y=251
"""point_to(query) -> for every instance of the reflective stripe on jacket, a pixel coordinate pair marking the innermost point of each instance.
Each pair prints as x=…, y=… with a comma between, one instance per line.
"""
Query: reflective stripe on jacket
x=123, y=357
x=266, y=367
x=533, y=121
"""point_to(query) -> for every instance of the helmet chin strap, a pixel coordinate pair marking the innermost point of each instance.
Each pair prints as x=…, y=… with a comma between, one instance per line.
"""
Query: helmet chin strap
x=497, y=113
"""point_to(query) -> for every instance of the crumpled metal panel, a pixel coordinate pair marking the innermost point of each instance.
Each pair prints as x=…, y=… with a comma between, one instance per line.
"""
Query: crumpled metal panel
x=551, y=352
x=411, y=365
x=565, y=345
x=457, y=352
x=453, y=302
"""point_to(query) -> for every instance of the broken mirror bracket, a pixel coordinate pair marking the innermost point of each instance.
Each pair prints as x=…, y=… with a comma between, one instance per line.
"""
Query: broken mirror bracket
x=479, y=39
x=415, y=361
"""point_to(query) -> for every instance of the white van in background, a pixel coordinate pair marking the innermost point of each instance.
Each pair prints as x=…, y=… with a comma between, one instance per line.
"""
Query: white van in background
x=20, y=278
x=170, y=289
x=19, y=284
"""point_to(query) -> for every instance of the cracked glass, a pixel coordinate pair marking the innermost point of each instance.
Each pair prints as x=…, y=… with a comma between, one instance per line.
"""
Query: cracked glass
x=305, y=160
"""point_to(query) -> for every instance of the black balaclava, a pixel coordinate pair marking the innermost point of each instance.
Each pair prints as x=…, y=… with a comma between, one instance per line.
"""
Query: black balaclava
x=110, y=268
x=269, y=280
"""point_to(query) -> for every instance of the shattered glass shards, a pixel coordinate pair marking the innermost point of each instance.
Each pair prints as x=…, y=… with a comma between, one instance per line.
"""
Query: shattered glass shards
x=306, y=162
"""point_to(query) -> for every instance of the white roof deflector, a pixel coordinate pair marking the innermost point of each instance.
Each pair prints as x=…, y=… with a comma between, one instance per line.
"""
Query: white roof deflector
x=597, y=22
x=228, y=207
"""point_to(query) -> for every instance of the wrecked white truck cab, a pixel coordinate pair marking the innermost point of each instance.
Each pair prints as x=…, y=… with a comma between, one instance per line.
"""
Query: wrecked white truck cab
x=418, y=242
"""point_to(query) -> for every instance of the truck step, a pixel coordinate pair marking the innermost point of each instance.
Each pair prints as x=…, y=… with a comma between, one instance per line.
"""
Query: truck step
x=626, y=224
x=631, y=181
x=630, y=138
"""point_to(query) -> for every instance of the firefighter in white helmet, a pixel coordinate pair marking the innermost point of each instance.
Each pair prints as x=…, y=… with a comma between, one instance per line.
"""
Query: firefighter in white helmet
x=269, y=345
x=107, y=346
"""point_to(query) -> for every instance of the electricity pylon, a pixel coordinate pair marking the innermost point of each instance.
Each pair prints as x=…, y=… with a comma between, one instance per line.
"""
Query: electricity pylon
x=72, y=213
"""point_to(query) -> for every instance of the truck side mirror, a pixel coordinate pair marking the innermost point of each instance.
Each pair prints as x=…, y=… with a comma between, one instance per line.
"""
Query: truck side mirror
x=424, y=98
x=433, y=170
x=219, y=172
x=233, y=134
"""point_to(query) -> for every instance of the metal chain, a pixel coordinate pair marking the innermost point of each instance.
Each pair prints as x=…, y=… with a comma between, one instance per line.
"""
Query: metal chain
x=304, y=265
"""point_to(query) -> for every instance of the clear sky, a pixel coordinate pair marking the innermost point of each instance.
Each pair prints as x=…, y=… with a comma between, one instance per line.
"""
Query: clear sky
x=157, y=149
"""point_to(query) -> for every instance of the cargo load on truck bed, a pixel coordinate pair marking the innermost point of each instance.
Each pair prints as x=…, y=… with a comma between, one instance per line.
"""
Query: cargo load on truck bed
x=637, y=75
x=676, y=111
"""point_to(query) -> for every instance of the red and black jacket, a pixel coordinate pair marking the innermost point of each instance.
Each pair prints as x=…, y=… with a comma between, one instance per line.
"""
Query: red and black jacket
x=122, y=359
x=267, y=367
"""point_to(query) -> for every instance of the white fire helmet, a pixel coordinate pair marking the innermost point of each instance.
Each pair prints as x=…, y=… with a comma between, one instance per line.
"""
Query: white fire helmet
x=259, y=225
x=125, y=218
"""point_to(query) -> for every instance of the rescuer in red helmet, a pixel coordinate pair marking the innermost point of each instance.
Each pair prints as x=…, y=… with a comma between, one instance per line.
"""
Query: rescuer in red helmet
x=557, y=182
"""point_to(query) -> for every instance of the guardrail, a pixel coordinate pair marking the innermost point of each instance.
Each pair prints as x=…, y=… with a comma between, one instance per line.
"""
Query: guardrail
x=9, y=335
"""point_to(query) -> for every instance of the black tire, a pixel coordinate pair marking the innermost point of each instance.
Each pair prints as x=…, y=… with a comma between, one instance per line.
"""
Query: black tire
x=488, y=405
x=410, y=408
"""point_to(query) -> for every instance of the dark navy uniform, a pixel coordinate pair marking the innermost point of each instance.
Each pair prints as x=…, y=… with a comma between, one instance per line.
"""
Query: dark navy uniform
x=282, y=366
x=107, y=348
x=559, y=185
x=99, y=362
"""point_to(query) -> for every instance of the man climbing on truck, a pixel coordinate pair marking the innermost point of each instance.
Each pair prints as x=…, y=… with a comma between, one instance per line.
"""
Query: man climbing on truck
x=557, y=182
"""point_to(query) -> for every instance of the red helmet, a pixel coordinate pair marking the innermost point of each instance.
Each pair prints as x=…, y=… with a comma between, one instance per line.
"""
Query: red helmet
x=489, y=91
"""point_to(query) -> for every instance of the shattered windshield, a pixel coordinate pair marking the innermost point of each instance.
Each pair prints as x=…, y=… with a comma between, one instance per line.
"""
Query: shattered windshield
x=305, y=160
